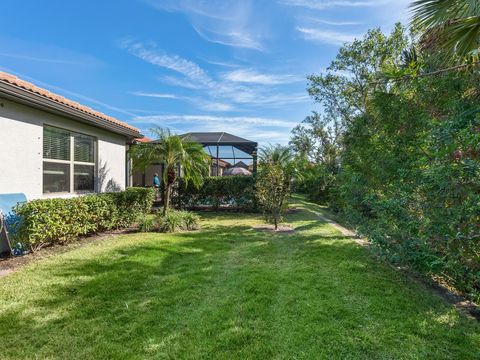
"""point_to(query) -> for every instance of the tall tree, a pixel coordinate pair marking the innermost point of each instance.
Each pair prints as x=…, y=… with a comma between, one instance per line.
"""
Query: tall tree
x=172, y=151
x=344, y=89
x=318, y=140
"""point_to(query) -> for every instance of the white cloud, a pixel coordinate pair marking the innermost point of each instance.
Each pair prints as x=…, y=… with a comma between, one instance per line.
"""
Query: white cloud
x=154, y=95
x=337, y=23
x=226, y=22
x=215, y=106
x=232, y=38
x=41, y=59
x=325, y=4
x=71, y=94
x=172, y=62
x=242, y=95
x=179, y=82
x=217, y=94
x=222, y=63
x=245, y=120
x=202, y=104
x=327, y=36
x=37, y=52
x=253, y=77
x=192, y=7
x=383, y=13
x=263, y=130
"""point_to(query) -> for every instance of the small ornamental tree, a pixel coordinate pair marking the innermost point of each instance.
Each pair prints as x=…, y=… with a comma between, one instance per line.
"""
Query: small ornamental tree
x=274, y=182
x=272, y=192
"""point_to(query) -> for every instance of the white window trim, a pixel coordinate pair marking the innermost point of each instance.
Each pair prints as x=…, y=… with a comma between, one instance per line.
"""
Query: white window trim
x=72, y=164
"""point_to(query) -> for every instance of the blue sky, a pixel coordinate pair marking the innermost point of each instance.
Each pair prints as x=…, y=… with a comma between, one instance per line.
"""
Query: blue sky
x=205, y=65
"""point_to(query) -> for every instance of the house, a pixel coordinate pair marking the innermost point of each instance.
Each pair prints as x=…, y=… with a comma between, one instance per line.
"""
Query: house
x=220, y=169
x=52, y=146
x=241, y=164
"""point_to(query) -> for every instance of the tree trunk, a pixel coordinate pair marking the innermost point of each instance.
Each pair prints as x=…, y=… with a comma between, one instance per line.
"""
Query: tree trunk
x=166, y=199
x=171, y=177
x=276, y=223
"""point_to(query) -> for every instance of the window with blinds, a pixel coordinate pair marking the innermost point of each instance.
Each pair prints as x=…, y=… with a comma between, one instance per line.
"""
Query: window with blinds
x=84, y=148
x=56, y=144
x=68, y=161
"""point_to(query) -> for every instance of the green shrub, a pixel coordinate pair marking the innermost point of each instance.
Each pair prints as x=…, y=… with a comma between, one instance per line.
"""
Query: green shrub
x=175, y=220
x=59, y=221
x=147, y=224
x=130, y=204
x=234, y=191
x=272, y=192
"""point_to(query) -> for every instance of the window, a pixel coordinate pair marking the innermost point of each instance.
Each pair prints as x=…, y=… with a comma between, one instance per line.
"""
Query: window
x=68, y=161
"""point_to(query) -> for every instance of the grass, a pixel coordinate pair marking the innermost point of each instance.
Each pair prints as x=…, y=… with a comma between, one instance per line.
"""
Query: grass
x=227, y=292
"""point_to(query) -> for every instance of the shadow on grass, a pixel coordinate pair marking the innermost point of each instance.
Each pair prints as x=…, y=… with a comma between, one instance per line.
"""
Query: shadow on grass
x=229, y=292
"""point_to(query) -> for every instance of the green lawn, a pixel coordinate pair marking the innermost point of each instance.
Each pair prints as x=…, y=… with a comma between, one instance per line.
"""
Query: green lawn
x=226, y=292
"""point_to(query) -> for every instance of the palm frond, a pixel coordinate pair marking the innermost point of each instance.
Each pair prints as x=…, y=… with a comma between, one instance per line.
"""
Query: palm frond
x=451, y=25
x=172, y=151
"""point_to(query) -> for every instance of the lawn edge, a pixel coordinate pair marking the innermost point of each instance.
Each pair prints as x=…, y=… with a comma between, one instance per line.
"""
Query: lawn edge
x=457, y=300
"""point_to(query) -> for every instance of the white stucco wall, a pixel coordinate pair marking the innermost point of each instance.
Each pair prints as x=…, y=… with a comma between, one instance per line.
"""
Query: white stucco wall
x=21, y=150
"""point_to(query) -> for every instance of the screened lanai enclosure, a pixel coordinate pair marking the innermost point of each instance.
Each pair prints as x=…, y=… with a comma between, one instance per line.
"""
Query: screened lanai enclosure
x=227, y=152
x=230, y=154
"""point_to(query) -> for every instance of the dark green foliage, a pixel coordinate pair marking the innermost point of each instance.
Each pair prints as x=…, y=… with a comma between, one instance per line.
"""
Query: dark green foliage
x=234, y=191
x=411, y=178
x=175, y=220
x=317, y=183
x=409, y=151
x=130, y=204
x=59, y=221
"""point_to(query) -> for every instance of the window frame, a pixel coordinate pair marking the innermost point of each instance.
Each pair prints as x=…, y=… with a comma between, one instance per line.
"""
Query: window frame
x=72, y=162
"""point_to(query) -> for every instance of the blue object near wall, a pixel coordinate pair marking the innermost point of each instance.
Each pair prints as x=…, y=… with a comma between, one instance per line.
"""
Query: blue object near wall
x=9, y=219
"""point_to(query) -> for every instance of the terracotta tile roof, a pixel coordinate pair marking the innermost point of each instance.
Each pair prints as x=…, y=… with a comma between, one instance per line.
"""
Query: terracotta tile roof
x=143, y=140
x=13, y=80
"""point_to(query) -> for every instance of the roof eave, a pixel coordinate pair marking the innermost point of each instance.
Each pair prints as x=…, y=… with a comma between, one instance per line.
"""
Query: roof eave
x=26, y=97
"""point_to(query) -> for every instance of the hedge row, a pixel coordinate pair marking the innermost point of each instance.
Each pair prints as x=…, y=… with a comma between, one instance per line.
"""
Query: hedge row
x=232, y=191
x=51, y=221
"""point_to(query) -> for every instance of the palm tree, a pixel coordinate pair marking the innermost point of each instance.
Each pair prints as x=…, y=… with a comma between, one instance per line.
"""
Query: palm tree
x=282, y=156
x=453, y=25
x=172, y=151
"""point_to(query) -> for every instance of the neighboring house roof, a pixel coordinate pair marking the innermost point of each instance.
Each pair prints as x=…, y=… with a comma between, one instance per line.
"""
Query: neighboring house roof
x=11, y=87
x=241, y=164
x=143, y=140
x=221, y=163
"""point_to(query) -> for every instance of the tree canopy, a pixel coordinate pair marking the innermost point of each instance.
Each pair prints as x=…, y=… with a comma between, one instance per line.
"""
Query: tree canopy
x=399, y=160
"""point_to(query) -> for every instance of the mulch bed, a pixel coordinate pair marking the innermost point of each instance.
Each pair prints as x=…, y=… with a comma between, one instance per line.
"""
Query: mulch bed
x=9, y=264
x=282, y=229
